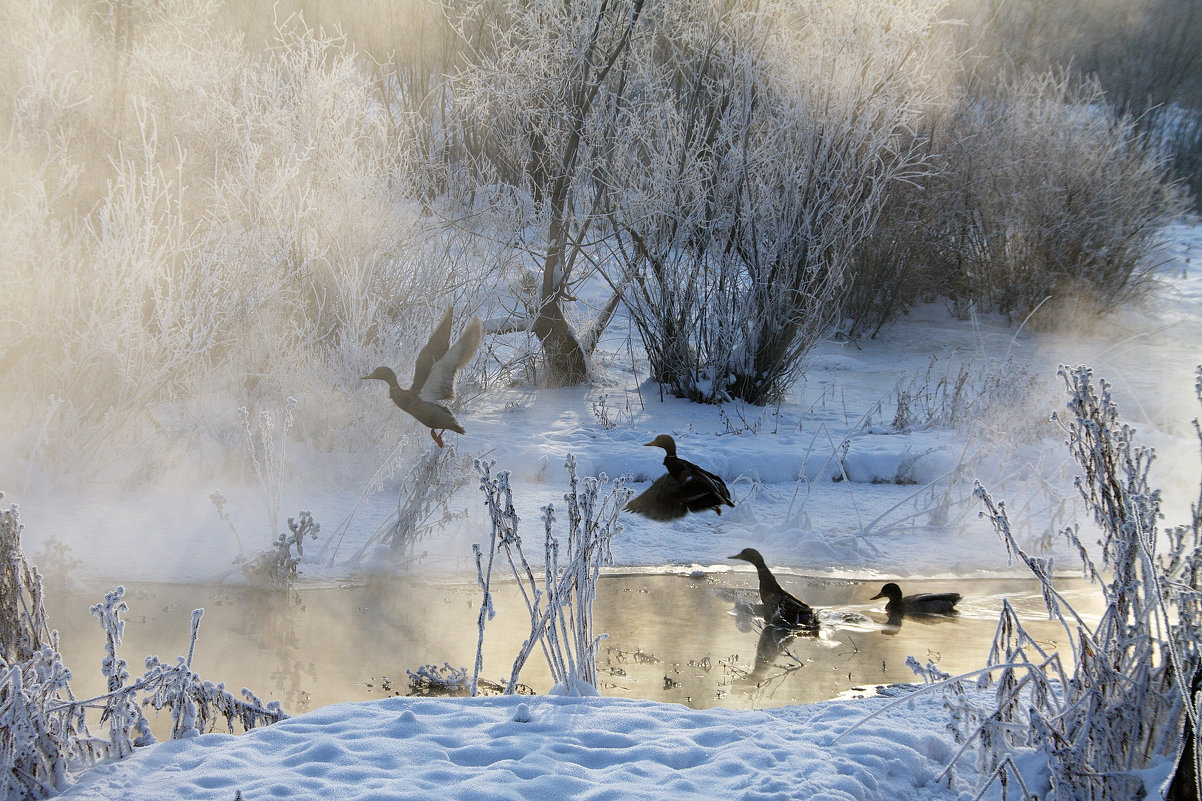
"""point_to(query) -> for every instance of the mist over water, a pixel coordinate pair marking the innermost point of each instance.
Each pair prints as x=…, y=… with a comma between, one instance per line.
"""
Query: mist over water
x=683, y=639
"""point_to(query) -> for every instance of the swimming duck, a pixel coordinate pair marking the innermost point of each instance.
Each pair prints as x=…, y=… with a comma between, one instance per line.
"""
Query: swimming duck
x=434, y=376
x=926, y=603
x=684, y=488
x=780, y=608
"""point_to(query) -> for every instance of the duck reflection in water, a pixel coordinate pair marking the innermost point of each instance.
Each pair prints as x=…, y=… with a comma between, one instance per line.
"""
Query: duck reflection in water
x=774, y=641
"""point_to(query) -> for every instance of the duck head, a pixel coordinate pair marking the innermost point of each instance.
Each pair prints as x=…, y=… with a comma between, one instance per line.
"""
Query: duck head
x=890, y=591
x=663, y=441
x=749, y=555
x=382, y=374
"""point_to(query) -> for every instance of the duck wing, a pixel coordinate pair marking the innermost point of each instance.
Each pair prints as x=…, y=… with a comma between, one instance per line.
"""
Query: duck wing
x=793, y=613
x=439, y=384
x=661, y=501
x=702, y=486
x=434, y=349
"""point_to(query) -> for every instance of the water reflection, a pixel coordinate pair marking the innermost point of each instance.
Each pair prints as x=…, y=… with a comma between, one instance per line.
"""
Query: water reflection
x=696, y=640
x=272, y=617
x=895, y=617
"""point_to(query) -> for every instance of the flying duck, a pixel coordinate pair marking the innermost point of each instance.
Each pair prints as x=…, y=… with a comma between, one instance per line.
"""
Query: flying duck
x=434, y=376
x=684, y=488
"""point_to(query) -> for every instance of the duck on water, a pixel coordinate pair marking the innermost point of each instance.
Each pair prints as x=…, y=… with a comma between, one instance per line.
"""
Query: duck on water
x=780, y=608
x=925, y=603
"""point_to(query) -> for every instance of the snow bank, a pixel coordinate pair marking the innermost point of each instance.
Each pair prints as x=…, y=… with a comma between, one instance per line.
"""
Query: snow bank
x=548, y=747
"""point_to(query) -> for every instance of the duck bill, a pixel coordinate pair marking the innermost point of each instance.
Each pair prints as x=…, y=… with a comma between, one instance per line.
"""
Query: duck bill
x=878, y=595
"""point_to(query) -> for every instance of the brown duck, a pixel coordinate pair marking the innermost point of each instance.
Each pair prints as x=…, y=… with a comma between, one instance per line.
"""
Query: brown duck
x=780, y=608
x=926, y=603
x=434, y=376
x=684, y=488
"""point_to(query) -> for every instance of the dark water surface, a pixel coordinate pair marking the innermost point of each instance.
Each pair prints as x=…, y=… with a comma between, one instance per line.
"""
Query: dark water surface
x=684, y=639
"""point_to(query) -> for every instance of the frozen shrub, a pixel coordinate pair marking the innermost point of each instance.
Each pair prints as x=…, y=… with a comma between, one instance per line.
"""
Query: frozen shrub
x=753, y=177
x=277, y=568
x=44, y=734
x=189, y=220
x=41, y=735
x=1177, y=132
x=561, y=610
x=1122, y=704
x=1039, y=192
x=1142, y=53
x=444, y=680
x=24, y=629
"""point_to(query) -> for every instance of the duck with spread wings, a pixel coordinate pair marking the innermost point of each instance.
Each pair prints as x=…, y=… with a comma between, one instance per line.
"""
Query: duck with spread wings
x=434, y=376
x=684, y=488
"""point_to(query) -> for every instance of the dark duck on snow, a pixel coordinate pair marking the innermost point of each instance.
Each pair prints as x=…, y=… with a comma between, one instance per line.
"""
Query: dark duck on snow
x=684, y=488
x=780, y=608
x=434, y=376
x=926, y=603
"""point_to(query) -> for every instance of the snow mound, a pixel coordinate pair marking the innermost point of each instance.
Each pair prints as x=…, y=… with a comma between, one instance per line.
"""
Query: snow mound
x=547, y=747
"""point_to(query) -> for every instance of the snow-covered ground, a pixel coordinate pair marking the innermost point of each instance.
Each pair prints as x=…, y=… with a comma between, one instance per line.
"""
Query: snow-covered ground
x=551, y=748
x=824, y=484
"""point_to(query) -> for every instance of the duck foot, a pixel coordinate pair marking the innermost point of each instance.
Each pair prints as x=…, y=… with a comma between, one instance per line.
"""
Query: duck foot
x=437, y=437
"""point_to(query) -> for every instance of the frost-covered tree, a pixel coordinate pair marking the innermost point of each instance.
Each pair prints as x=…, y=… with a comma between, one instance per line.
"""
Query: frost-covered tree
x=766, y=139
x=540, y=100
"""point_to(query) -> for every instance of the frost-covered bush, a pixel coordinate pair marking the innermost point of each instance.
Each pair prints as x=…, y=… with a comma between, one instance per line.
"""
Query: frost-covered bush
x=1057, y=197
x=44, y=734
x=277, y=568
x=39, y=738
x=1093, y=724
x=1038, y=192
x=24, y=629
x=745, y=180
x=561, y=609
x=1177, y=131
x=188, y=223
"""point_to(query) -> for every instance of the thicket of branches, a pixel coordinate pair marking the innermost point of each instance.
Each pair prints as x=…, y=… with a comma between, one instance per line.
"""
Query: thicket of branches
x=193, y=220
x=1128, y=698
x=1035, y=192
x=188, y=226
x=1142, y=53
x=758, y=155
